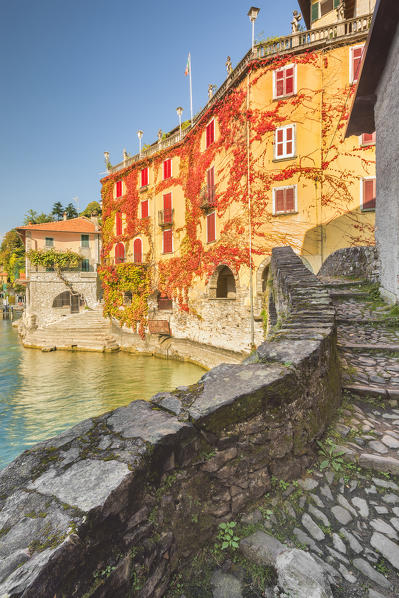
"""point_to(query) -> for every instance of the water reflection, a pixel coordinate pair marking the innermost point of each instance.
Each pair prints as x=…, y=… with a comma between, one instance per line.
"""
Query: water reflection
x=41, y=394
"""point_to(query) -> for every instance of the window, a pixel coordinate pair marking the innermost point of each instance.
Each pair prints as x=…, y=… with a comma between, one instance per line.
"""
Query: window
x=211, y=227
x=284, y=200
x=315, y=11
x=167, y=208
x=367, y=139
x=164, y=303
x=84, y=241
x=137, y=251
x=144, y=177
x=284, y=142
x=210, y=133
x=62, y=299
x=167, y=168
x=367, y=194
x=210, y=180
x=118, y=188
x=355, y=60
x=284, y=81
x=85, y=265
x=119, y=253
x=144, y=209
x=226, y=285
x=49, y=242
x=118, y=223
x=326, y=6
x=167, y=241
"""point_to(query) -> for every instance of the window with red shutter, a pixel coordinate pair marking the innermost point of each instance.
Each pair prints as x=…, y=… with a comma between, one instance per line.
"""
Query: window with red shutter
x=285, y=142
x=211, y=227
x=167, y=241
x=368, y=194
x=167, y=169
x=210, y=133
x=144, y=177
x=356, y=60
x=118, y=188
x=210, y=176
x=368, y=139
x=144, y=209
x=284, y=200
x=119, y=253
x=284, y=81
x=118, y=223
x=137, y=251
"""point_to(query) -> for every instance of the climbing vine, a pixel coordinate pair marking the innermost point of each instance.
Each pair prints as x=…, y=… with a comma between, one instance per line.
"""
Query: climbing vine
x=321, y=169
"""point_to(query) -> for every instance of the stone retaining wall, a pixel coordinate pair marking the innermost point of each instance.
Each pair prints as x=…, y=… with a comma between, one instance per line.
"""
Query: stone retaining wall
x=354, y=262
x=113, y=506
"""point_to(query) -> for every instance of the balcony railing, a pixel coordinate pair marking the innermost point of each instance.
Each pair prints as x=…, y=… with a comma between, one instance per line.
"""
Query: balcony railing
x=294, y=42
x=165, y=217
x=208, y=198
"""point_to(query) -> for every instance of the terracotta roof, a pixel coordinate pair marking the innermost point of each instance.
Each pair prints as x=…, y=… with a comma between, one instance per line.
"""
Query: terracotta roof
x=74, y=225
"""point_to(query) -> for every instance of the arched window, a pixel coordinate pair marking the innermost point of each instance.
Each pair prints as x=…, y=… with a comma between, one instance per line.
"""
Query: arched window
x=62, y=299
x=137, y=251
x=226, y=285
x=119, y=253
x=127, y=297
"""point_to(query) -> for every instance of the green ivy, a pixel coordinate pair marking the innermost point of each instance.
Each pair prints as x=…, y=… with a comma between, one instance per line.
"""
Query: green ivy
x=50, y=258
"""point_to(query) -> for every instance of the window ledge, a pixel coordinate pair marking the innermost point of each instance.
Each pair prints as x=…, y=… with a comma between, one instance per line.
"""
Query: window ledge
x=289, y=95
x=284, y=159
x=285, y=213
x=222, y=298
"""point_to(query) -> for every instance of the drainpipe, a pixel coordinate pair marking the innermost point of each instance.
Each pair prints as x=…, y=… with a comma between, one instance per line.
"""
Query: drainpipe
x=251, y=293
x=321, y=163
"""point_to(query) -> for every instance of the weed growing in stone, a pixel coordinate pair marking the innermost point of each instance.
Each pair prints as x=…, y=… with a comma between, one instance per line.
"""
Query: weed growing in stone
x=332, y=456
x=227, y=536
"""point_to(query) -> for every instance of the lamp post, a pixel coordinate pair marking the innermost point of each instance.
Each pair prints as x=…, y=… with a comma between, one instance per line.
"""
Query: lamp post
x=140, y=135
x=179, y=111
x=253, y=13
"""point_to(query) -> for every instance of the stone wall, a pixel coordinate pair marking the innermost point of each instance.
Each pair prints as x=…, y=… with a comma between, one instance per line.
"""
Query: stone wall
x=353, y=262
x=45, y=286
x=386, y=116
x=113, y=506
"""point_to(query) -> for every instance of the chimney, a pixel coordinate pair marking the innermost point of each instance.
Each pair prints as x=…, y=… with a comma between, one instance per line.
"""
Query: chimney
x=64, y=216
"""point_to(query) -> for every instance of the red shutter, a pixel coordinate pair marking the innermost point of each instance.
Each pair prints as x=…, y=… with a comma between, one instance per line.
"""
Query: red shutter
x=167, y=241
x=118, y=223
x=211, y=227
x=369, y=193
x=210, y=133
x=119, y=253
x=137, y=251
x=356, y=61
x=144, y=209
x=118, y=188
x=211, y=185
x=279, y=83
x=289, y=199
x=368, y=138
x=167, y=169
x=289, y=80
x=144, y=177
x=289, y=132
x=167, y=201
x=279, y=143
x=279, y=200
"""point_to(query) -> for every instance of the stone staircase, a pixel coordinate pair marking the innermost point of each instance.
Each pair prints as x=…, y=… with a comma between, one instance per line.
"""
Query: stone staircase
x=86, y=331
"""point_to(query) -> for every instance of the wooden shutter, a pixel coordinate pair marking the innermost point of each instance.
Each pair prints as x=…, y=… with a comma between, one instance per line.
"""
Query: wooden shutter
x=211, y=185
x=315, y=11
x=119, y=253
x=138, y=251
x=210, y=133
x=211, y=227
x=289, y=136
x=167, y=169
x=144, y=209
x=167, y=241
x=118, y=188
x=118, y=223
x=144, y=177
x=279, y=83
x=356, y=62
x=289, y=80
x=326, y=6
x=289, y=199
x=279, y=143
x=369, y=193
x=279, y=200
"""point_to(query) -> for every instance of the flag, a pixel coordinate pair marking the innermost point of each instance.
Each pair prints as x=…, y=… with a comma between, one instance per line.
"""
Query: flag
x=188, y=65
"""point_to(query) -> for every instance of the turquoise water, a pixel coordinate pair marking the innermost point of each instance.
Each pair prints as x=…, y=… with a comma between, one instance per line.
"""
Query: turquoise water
x=42, y=394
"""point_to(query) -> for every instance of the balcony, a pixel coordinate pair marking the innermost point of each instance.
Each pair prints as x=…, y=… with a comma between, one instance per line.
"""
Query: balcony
x=165, y=217
x=208, y=198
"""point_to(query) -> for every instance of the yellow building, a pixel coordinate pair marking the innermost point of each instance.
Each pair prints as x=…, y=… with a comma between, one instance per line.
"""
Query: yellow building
x=264, y=164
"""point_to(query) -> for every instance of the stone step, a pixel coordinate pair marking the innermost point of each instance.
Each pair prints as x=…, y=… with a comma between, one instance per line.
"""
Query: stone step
x=384, y=392
x=348, y=293
x=369, y=348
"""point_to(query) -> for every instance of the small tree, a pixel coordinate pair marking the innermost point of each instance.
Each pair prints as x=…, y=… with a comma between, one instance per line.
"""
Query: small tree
x=70, y=211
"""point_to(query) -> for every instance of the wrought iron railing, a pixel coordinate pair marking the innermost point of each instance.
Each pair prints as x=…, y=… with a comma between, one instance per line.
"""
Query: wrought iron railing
x=165, y=217
x=208, y=198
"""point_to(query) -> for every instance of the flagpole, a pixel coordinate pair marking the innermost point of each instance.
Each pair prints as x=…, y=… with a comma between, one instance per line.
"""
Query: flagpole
x=191, y=95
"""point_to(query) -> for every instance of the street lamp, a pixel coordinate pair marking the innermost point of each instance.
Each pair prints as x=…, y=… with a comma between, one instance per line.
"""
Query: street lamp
x=253, y=13
x=179, y=111
x=140, y=135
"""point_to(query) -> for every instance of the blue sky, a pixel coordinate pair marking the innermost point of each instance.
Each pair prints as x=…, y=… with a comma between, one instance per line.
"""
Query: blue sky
x=82, y=76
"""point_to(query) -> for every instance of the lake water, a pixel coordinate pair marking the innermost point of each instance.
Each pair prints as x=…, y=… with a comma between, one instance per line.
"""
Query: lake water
x=42, y=394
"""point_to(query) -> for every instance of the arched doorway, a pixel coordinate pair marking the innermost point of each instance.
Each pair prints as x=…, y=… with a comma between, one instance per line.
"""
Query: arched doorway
x=225, y=285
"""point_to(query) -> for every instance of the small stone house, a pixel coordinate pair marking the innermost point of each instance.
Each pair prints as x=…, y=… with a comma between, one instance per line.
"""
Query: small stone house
x=50, y=296
x=376, y=108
